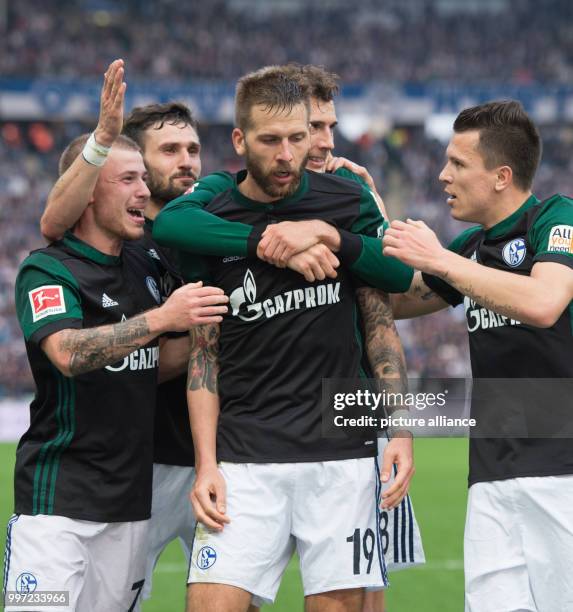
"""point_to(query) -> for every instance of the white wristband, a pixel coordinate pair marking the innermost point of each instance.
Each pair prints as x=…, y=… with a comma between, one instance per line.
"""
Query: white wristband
x=94, y=153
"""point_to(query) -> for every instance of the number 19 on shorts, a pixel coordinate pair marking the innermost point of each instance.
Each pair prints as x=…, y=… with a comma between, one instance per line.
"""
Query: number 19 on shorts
x=362, y=544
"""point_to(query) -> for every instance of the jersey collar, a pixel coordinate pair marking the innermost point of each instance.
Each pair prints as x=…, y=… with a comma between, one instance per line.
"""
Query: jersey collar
x=83, y=248
x=499, y=229
x=254, y=205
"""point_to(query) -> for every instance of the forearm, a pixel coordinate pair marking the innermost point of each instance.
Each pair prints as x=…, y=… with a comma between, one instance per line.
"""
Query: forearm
x=383, y=345
x=524, y=298
x=186, y=226
x=204, y=416
x=68, y=198
x=417, y=301
x=78, y=351
x=202, y=396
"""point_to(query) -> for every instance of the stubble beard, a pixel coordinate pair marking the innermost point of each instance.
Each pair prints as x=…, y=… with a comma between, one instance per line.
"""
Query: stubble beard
x=161, y=192
x=265, y=182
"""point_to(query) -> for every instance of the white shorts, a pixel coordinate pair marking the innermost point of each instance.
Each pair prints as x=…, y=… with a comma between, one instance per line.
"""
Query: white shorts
x=171, y=515
x=399, y=531
x=100, y=565
x=327, y=511
x=518, y=545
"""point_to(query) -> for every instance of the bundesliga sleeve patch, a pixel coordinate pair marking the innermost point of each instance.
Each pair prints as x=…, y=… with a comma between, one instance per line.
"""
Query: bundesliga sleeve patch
x=561, y=239
x=47, y=300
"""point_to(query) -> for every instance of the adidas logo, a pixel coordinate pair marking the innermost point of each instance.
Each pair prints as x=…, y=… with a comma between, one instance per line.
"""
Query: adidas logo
x=107, y=302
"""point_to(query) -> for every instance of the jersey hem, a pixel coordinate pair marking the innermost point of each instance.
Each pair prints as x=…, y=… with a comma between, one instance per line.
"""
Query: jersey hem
x=164, y=460
x=93, y=518
x=308, y=459
x=526, y=474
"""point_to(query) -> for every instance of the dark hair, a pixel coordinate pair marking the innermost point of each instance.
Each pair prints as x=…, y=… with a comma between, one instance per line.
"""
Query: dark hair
x=142, y=118
x=323, y=84
x=75, y=148
x=507, y=136
x=274, y=87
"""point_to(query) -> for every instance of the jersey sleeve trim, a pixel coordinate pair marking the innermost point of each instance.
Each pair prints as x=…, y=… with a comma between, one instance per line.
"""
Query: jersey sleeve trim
x=560, y=258
x=452, y=296
x=53, y=327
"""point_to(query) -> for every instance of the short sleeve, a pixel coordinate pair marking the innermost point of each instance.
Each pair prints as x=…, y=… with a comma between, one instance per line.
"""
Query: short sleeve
x=551, y=235
x=47, y=298
x=370, y=221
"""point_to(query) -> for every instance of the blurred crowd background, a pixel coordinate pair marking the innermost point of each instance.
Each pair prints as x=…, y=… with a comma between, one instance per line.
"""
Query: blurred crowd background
x=422, y=41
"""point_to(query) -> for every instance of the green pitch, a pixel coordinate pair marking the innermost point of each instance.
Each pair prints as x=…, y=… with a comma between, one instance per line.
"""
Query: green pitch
x=439, y=493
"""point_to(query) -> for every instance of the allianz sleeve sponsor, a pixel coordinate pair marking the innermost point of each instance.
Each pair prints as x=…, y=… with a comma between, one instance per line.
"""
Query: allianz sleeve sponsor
x=141, y=359
x=560, y=239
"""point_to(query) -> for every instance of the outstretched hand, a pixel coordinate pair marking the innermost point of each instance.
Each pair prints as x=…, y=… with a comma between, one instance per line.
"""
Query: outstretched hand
x=110, y=122
x=415, y=244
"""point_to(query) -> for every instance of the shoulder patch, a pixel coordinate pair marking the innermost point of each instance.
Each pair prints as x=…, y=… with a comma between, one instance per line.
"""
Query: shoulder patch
x=560, y=239
x=47, y=300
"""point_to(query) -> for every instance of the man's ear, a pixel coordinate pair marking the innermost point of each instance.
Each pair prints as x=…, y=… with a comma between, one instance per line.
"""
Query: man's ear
x=238, y=137
x=504, y=178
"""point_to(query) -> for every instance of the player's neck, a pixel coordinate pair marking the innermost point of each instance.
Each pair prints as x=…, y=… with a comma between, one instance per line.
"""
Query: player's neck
x=102, y=241
x=250, y=189
x=504, y=207
x=153, y=208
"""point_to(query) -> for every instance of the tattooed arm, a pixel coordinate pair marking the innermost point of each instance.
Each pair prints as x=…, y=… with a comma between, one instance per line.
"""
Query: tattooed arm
x=538, y=299
x=209, y=492
x=383, y=345
x=386, y=357
x=77, y=351
x=417, y=301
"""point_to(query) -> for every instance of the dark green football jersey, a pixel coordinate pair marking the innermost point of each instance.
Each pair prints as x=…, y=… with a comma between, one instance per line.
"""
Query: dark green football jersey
x=282, y=334
x=88, y=452
x=501, y=347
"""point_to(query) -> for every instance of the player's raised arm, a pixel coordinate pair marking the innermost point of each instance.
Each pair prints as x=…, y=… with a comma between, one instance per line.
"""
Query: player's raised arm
x=209, y=491
x=71, y=194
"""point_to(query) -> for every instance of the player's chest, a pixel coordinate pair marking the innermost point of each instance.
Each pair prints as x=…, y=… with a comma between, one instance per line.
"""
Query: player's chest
x=115, y=293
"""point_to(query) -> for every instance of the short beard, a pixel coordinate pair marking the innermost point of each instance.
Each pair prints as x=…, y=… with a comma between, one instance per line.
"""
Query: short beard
x=162, y=193
x=265, y=183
